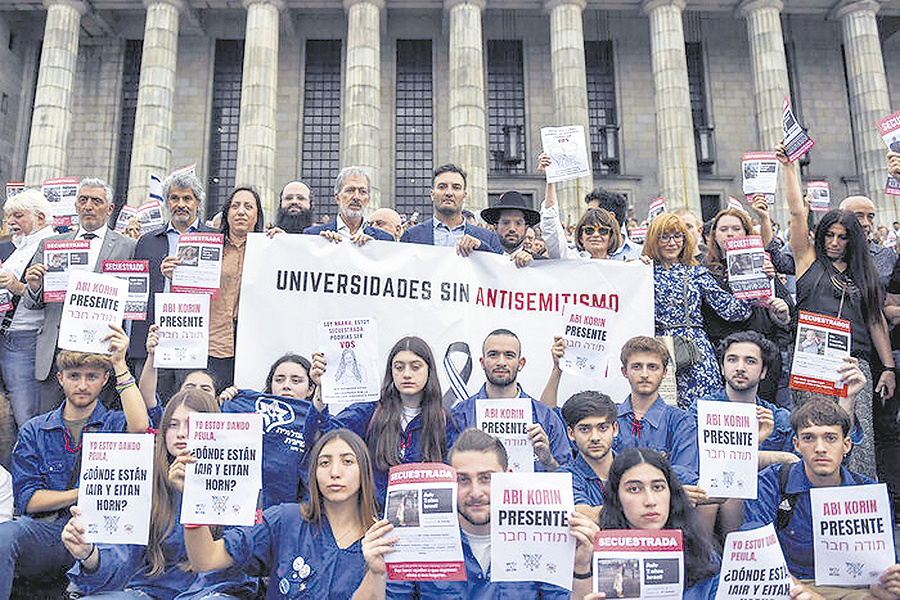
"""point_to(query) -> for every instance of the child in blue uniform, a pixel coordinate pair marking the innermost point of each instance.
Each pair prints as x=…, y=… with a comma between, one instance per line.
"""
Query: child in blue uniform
x=312, y=550
x=159, y=569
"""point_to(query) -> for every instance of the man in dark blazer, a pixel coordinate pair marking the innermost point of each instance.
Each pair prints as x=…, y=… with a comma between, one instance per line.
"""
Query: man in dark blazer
x=351, y=192
x=448, y=227
x=94, y=206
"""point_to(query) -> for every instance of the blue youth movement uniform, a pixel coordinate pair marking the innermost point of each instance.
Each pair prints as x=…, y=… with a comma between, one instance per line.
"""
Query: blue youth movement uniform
x=587, y=487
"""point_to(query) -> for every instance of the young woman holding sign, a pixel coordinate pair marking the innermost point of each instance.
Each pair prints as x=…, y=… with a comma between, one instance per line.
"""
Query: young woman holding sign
x=160, y=569
x=314, y=550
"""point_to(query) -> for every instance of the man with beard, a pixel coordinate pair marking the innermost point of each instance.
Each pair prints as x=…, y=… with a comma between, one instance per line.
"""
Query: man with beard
x=351, y=192
x=295, y=212
x=511, y=219
x=502, y=360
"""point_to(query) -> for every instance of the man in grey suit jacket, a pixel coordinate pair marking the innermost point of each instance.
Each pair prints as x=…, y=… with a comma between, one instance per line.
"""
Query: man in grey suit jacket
x=94, y=206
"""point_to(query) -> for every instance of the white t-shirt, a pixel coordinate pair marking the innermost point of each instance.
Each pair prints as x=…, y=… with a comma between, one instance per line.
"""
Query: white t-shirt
x=408, y=415
x=481, y=548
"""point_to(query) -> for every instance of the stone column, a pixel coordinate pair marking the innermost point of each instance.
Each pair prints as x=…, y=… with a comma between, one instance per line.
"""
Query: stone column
x=868, y=93
x=770, y=76
x=259, y=99
x=361, y=131
x=151, y=149
x=678, y=180
x=468, y=109
x=52, y=115
x=570, y=88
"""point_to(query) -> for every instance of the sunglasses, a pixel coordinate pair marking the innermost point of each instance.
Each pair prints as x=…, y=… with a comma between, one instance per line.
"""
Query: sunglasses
x=591, y=230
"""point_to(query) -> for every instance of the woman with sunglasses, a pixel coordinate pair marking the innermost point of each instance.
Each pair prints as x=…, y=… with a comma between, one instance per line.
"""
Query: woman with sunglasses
x=836, y=276
x=597, y=234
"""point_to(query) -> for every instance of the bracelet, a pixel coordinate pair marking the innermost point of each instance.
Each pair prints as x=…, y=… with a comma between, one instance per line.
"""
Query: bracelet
x=89, y=554
x=125, y=384
x=127, y=372
x=891, y=369
x=582, y=575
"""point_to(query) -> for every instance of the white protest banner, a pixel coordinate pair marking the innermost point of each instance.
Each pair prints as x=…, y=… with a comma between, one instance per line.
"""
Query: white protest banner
x=586, y=333
x=354, y=372
x=61, y=193
x=13, y=188
x=136, y=273
x=183, y=321
x=508, y=419
x=760, y=175
x=853, y=534
x=796, y=141
x=889, y=130
x=821, y=195
x=567, y=147
x=639, y=563
x=116, y=487
x=746, y=257
x=656, y=207
x=200, y=269
x=223, y=485
x=820, y=348
x=753, y=567
x=421, y=505
x=530, y=538
x=450, y=301
x=62, y=257
x=728, y=434
x=93, y=302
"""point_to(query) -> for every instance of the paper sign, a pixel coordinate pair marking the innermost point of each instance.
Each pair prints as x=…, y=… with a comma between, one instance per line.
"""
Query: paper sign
x=668, y=387
x=567, y=148
x=116, y=487
x=821, y=195
x=14, y=188
x=746, y=257
x=796, y=142
x=351, y=353
x=820, y=348
x=200, y=269
x=754, y=567
x=728, y=434
x=507, y=420
x=639, y=563
x=657, y=206
x=587, y=334
x=93, y=302
x=149, y=214
x=530, y=538
x=222, y=486
x=5, y=297
x=183, y=321
x=889, y=130
x=136, y=273
x=760, y=175
x=61, y=193
x=735, y=204
x=853, y=534
x=421, y=505
x=62, y=257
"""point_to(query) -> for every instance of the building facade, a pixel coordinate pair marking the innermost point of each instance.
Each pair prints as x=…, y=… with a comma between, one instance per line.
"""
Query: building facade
x=260, y=92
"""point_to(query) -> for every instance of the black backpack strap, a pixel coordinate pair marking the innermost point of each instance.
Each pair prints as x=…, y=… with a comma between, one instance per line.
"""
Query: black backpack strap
x=787, y=502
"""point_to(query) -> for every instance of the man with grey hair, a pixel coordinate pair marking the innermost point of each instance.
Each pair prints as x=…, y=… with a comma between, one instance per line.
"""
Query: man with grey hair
x=28, y=217
x=94, y=205
x=351, y=192
x=184, y=195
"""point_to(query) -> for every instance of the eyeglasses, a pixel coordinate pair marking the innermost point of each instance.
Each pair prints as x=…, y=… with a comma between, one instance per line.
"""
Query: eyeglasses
x=591, y=230
x=671, y=237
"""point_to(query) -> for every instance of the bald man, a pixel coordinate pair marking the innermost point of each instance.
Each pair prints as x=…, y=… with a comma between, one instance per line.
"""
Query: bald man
x=387, y=220
x=295, y=211
x=884, y=257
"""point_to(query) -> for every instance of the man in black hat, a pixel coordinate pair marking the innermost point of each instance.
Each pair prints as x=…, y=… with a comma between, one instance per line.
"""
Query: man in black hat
x=511, y=218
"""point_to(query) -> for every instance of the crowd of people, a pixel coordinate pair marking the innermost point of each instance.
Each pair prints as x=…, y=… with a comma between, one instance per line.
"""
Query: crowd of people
x=634, y=461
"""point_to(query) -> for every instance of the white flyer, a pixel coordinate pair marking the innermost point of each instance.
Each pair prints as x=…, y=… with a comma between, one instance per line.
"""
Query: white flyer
x=530, y=538
x=223, y=485
x=759, y=172
x=853, y=533
x=796, y=141
x=93, y=302
x=639, y=563
x=183, y=321
x=200, y=269
x=351, y=352
x=656, y=207
x=116, y=487
x=728, y=434
x=137, y=274
x=14, y=188
x=821, y=195
x=61, y=193
x=508, y=419
x=587, y=333
x=62, y=257
x=753, y=566
x=567, y=147
x=421, y=505
x=889, y=130
x=746, y=278
x=821, y=345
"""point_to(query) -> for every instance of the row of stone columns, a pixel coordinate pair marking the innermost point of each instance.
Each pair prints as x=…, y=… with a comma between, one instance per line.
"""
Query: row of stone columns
x=468, y=146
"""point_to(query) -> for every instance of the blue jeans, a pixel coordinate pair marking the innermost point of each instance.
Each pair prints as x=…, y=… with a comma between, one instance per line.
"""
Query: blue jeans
x=17, y=350
x=31, y=548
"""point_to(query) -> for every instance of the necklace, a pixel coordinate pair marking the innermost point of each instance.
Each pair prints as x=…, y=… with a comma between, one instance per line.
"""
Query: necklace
x=350, y=534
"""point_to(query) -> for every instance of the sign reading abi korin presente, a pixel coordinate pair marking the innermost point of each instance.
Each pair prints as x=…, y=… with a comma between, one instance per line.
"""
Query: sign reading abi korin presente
x=728, y=434
x=93, y=302
x=183, y=321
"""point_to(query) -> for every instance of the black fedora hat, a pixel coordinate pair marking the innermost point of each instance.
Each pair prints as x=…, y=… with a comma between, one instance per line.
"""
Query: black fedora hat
x=511, y=201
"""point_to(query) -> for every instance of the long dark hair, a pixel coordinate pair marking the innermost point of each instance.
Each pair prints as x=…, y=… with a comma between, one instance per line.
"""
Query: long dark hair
x=291, y=358
x=698, y=550
x=385, y=423
x=860, y=266
x=260, y=216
